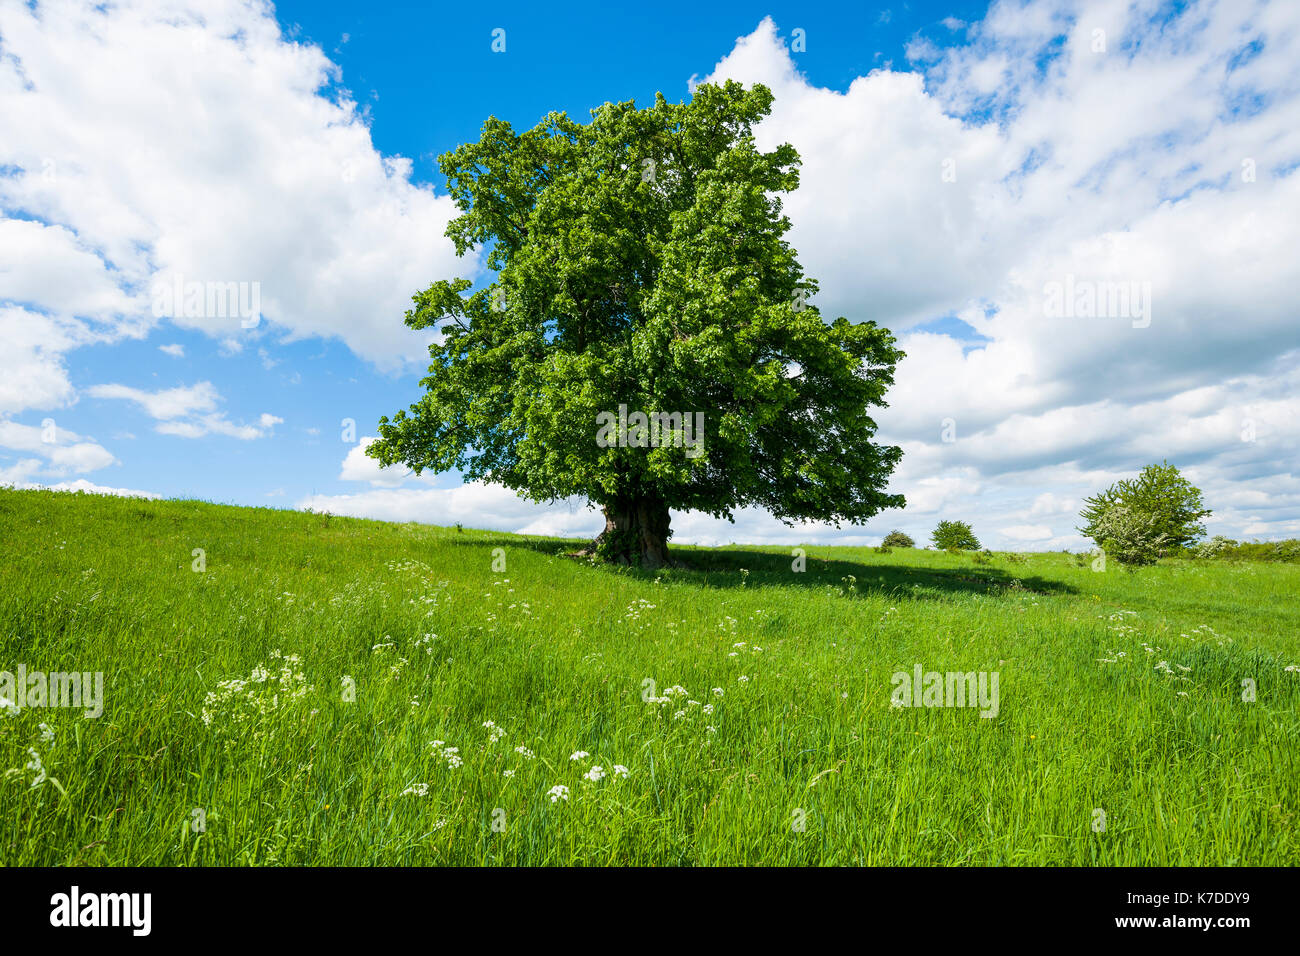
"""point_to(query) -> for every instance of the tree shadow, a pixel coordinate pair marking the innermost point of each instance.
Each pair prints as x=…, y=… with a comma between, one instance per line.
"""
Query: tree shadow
x=488, y=539
x=723, y=569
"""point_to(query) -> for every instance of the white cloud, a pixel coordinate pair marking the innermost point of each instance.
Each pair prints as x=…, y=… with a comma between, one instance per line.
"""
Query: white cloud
x=150, y=139
x=175, y=351
x=358, y=466
x=86, y=487
x=48, y=265
x=168, y=403
x=187, y=411
x=965, y=188
x=32, y=370
x=1027, y=532
x=47, y=451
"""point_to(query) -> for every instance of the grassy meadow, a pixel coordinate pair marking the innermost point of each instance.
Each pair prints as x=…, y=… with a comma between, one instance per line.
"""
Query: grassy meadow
x=311, y=689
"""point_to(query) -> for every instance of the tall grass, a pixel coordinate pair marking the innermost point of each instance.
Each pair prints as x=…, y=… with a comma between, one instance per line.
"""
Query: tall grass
x=408, y=643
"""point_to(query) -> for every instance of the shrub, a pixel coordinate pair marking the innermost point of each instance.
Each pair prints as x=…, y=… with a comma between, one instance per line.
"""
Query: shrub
x=897, y=539
x=1288, y=551
x=1132, y=538
x=954, y=536
x=1216, y=547
x=1160, y=503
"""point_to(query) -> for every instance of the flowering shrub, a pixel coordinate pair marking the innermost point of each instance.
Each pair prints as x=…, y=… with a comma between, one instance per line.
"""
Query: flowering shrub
x=1130, y=537
x=1214, y=548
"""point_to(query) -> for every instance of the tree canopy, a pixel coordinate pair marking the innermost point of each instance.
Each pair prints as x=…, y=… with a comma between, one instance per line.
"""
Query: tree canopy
x=1147, y=517
x=641, y=267
x=954, y=536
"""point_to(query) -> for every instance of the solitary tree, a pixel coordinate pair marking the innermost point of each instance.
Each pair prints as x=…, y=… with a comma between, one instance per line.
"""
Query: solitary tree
x=1160, y=509
x=647, y=342
x=954, y=536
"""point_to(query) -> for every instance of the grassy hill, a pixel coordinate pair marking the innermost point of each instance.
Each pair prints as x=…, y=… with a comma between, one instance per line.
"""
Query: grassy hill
x=329, y=690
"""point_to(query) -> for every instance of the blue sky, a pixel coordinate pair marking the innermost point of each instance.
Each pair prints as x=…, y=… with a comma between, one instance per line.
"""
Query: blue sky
x=295, y=147
x=398, y=59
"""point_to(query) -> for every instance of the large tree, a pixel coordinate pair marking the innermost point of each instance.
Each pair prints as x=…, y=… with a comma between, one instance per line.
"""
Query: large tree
x=641, y=267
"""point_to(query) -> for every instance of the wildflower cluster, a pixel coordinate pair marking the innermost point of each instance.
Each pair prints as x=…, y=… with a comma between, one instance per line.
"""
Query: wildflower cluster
x=449, y=754
x=246, y=702
x=593, y=775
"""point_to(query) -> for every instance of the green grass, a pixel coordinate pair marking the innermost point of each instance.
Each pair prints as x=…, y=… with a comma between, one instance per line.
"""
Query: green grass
x=555, y=651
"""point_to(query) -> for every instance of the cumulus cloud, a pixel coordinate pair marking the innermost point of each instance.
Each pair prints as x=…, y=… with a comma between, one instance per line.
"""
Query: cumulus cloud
x=145, y=142
x=358, y=466
x=167, y=403
x=47, y=451
x=187, y=411
x=1160, y=153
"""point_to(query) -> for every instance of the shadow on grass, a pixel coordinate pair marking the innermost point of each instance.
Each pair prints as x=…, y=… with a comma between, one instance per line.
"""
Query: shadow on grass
x=712, y=568
x=721, y=569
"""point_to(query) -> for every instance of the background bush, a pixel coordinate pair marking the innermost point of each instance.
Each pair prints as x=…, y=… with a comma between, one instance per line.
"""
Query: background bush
x=954, y=536
x=897, y=539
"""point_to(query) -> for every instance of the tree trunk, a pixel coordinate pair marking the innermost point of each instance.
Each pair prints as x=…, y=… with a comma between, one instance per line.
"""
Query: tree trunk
x=636, y=533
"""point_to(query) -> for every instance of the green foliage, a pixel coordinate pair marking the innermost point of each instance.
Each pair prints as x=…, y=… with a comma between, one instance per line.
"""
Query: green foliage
x=555, y=651
x=1130, y=537
x=642, y=262
x=1154, y=514
x=897, y=539
x=954, y=536
x=1287, y=551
